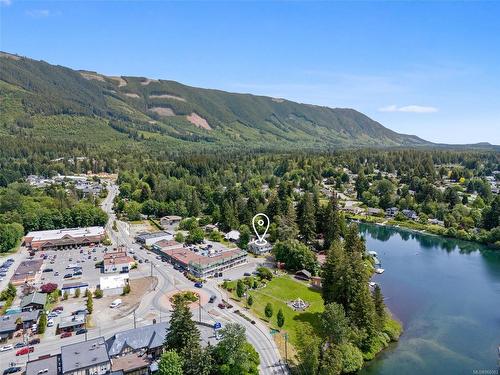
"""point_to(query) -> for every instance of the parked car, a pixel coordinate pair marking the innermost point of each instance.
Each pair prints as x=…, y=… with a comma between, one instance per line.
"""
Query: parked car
x=116, y=303
x=48, y=270
x=66, y=334
x=56, y=273
x=58, y=308
x=81, y=331
x=247, y=274
x=77, y=273
x=198, y=285
x=221, y=306
x=25, y=350
x=140, y=261
x=212, y=299
x=34, y=341
x=53, y=314
x=11, y=370
x=6, y=348
x=50, y=322
x=19, y=345
x=68, y=276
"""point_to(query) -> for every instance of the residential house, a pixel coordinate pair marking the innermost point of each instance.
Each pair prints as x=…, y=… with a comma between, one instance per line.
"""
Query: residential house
x=374, y=211
x=303, y=275
x=167, y=221
x=393, y=211
x=410, y=214
x=232, y=236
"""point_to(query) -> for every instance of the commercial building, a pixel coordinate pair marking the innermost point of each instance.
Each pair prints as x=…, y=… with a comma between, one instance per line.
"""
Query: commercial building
x=50, y=365
x=149, y=339
x=113, y=284
x=71, y=323
x=85, y=357
x=205, y=265
x=33, y=301
x=64, y=238
x=165, y=245
x=71, y=288
x=11, y=323
x=149, y=239
x=257, y=249
x=117, y=261
x=27, y=271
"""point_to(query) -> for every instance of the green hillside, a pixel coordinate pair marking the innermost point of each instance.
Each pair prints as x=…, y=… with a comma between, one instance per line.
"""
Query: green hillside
x=57, y=104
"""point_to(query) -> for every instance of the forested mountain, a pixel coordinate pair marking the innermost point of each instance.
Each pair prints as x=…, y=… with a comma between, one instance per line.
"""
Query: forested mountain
x=55, y=104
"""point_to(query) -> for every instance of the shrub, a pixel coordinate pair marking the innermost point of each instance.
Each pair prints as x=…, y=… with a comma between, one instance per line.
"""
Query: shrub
x=98, y=293
x=126, y=290
x=268, y=311
x=48, y=288
x=265, y=273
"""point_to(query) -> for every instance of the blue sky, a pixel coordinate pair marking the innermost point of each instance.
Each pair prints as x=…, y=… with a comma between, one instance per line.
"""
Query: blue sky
x=424, y=68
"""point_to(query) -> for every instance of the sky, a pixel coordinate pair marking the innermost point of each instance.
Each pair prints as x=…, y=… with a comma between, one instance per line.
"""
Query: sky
x=426, y=68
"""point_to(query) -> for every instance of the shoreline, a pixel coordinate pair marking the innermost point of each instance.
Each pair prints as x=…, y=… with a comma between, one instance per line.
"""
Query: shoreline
x=391, y=223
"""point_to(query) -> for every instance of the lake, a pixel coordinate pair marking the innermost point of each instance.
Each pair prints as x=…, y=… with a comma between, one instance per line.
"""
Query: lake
x=446, y=293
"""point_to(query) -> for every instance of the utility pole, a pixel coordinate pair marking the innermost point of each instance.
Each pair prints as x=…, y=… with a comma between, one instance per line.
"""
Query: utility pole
x=199, y=306
x=135, y=324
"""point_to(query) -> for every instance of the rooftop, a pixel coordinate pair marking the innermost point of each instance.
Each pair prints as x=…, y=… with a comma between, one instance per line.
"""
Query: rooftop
x=71, y=321
x=130, y=362
x=57, y=234
x=147, y=235
x=151, y=336
x=8, y=322
x=35, y=297
x=50, y=363
x=84, y=354
x=167, y=243
x=187, y=256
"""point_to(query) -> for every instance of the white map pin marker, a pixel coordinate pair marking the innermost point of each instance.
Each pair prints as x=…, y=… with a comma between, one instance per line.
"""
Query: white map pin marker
x=261, y=220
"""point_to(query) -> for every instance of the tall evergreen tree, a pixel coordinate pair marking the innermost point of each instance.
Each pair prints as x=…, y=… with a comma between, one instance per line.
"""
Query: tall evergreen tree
x=307, y=218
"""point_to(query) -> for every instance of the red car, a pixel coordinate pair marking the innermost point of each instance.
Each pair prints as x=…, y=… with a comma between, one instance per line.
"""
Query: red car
x=60, y=308
x=66, y=334
x=221, y=306
x=25, y=350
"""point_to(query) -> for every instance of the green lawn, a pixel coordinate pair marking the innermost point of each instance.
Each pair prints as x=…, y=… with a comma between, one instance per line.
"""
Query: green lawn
x=281, y=290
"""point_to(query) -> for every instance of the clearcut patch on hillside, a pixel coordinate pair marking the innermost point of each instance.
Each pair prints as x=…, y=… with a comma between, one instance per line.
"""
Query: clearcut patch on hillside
x=120, y=80
x=162, y=111
x=95, y=76
x=198, y=121
x=167, y=96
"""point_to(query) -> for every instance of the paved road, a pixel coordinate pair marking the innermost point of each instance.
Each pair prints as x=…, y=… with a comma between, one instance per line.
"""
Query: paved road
x=168, y=280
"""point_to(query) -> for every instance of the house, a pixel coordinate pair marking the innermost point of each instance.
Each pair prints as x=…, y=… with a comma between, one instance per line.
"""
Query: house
x=167, y=221
x=436, y=222
x=149, y=239
x=410, y=214
x=303, y=275
x=149, y=338
x=48, y=364
x=393, y=211
x=257, y=249
x=374, y=211
x=64, y=238
x=71, y=288
x=11, y=323
x=316, y=282
x=85, y=357
x=210, y=227
x=33, y=301
x=232, y=236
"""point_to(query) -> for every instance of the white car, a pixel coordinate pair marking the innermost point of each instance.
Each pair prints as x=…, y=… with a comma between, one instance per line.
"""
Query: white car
x=50, y=323
x=6, y=347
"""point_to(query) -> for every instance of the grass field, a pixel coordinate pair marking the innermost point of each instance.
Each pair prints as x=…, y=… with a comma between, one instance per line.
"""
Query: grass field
x=278, y=292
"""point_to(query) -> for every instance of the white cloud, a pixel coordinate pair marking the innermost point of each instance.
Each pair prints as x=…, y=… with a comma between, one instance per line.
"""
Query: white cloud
x=409, y=109
x=6, y=2
x=38, y=13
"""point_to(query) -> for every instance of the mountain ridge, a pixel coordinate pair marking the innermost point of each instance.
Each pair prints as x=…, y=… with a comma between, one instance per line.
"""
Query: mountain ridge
x=166, y=111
